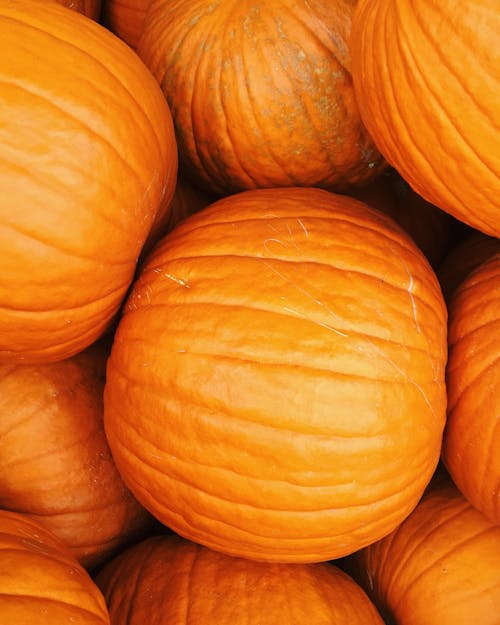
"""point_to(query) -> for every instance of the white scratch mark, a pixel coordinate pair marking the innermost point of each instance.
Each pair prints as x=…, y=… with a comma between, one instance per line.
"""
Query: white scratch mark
x=411, y=284
x=177, y=280
x=306, y=231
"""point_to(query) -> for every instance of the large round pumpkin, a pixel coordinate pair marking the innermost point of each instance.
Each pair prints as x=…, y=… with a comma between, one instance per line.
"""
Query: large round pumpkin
x=471, y=446
x=427, y=82
x=276, y=384
x=86, y=152
x=260, y=91
x=40, y=581
x=440, y=567
x=55, y=463
x=171, y=581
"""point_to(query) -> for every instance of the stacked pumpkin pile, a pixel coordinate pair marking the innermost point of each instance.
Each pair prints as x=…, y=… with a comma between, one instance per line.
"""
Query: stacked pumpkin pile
x=228, y=370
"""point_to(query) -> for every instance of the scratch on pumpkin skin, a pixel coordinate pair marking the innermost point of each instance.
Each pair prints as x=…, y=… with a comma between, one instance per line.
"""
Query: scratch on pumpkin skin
x=178, y=281
x=301, y=224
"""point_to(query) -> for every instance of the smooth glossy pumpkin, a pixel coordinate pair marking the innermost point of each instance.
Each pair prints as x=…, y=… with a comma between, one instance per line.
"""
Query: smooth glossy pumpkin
x=170, y=581
x=260, y=91
x=471, y=446
x=440, y=567
x=40, y=581
x=87, y=151
x=276, y=384
x=55, y=463
x=427, y=82
x=125, y=18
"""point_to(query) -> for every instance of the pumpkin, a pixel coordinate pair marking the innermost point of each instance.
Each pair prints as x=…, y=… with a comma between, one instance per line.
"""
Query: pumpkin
x=90, y=8
x=187, y=199
x=275, y=388
x=261, y=92
x=40, y=581
x=426, y=78
x=170, y=581
x=55, y=463
x=440, y=567
x=87, y=150
x=429, y=227
x=125, y=18
x=471, y=445
x=469, y=253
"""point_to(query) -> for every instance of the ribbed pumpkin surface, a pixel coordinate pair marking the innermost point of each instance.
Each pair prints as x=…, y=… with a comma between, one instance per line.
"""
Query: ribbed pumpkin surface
x=471, y=448
x=170, y=581
x=90, y=8
x=125, y=18
x=276, y=385
x=86, y=152
x=40, y=582
x=55, y=463
x=440, y=567
x=427, y=83
x=260, y=91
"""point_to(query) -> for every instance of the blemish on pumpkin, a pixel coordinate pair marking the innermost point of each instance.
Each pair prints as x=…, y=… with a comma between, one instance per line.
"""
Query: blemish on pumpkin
x=178, y=281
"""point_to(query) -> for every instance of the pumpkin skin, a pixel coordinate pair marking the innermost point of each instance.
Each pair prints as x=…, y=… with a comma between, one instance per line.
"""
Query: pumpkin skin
x=275, y=388
x=173, y=575
x=426, y=77
x=468, y=254
x=471, y=445
x=74, y=212
x=277, y=108
x=90, y=8
x=55, y=463
x=40, y=581
x=440, y=567
x=126, y=18
x=429, y=227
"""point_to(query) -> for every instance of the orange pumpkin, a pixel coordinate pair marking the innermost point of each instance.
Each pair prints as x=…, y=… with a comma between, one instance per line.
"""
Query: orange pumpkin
x=471, y=446
x=427, y=82
x=125, y=18
x=261, y=92
x=40, y=581
x=90, y=8
x=87, y=150
x=55, y=463
x=176, y=581
x=468, y=254
x=276, y=384
x=429, y=227
x=440, y=567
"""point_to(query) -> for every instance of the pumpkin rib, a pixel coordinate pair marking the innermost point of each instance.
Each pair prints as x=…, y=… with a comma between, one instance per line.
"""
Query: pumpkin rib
x=20, y=230
x=296, y=539
x=309, y=367
x=154, y=391
x=20, y=311
x=70, y=115
x=441, y=105
x=457, y=338
x=472, y=380
x=408, y=139
x=328, y=220
x=44, y=600
x=444, y=519
x=442, y=556
x=240, y=418
x=290, y=262
x=33, y=174
x=94, y=86
x=246, y=504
